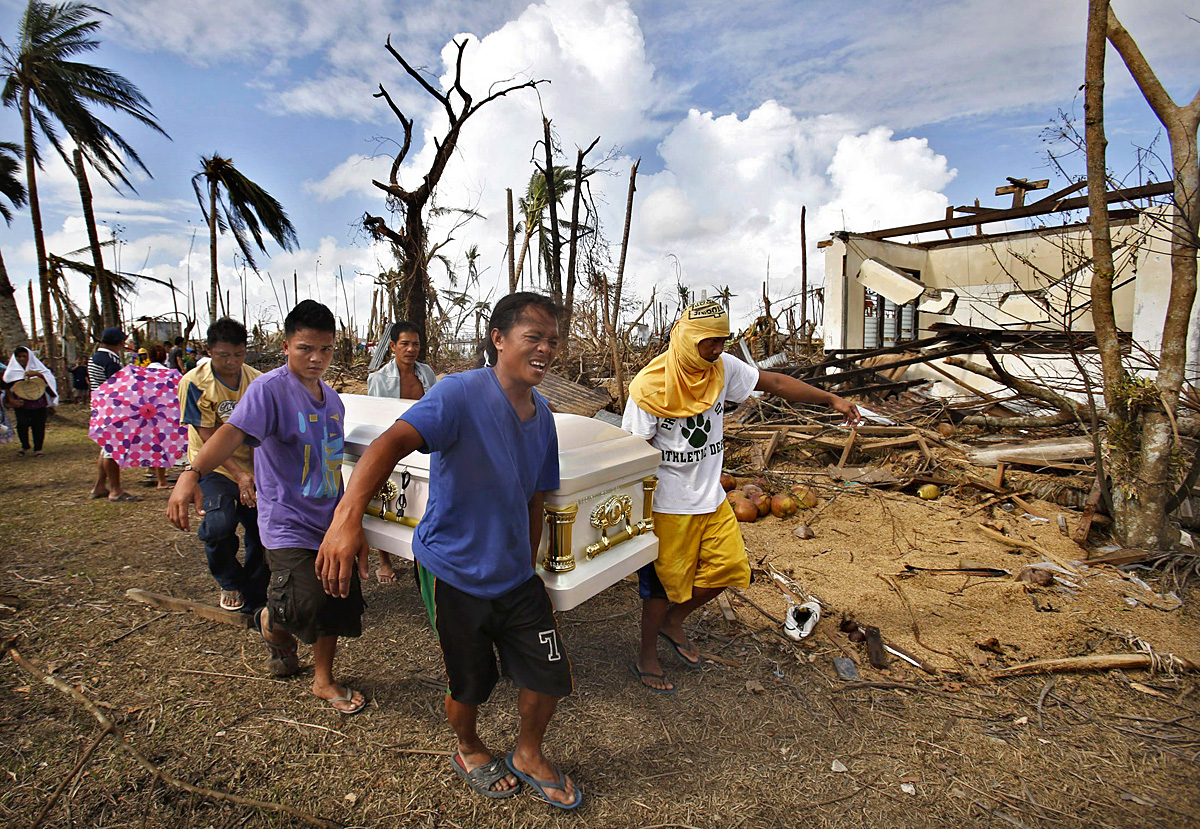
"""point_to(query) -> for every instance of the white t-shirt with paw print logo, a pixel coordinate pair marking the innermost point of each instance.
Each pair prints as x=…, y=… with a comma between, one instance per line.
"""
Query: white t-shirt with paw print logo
x=692, y=448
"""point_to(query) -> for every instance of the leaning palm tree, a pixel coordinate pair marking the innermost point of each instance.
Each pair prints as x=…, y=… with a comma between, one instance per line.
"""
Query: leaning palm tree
x=244, y=206
x=50, y=88
x=12, y=330
x=533, y=206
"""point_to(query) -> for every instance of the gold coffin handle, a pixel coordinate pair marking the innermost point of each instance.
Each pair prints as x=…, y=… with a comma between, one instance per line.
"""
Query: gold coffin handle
x=616, y=511
x=559, y=556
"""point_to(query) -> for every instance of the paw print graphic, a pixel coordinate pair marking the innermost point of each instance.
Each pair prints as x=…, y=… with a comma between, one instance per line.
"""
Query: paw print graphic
x=695, y=429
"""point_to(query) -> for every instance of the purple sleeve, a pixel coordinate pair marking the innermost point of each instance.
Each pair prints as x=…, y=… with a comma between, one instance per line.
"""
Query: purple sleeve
x=255, y=413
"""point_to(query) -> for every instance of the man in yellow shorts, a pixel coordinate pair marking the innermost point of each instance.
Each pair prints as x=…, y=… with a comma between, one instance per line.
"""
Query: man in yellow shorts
x=676, y=403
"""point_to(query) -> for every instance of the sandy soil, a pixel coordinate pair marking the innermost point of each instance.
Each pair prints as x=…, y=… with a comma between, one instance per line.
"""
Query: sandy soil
x=755, y=738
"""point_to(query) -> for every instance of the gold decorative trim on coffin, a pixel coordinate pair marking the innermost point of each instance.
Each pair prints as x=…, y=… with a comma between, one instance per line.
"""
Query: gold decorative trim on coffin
x=559, y=556
x=616, y=510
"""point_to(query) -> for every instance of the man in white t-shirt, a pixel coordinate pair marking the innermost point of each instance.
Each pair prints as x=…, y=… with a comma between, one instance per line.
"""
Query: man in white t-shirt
x=677, y=403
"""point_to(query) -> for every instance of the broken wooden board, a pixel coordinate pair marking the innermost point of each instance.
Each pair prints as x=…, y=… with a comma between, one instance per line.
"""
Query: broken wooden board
x=205, y=611
x=1048, y=450
x=866, y=475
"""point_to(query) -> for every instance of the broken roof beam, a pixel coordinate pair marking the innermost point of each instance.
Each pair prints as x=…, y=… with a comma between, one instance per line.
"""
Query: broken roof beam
x=1037, y=208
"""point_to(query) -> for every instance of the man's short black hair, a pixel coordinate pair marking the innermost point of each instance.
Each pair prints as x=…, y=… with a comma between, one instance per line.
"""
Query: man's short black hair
x=312, y=315
x=508, y=312
x=226, y=330
x=402, y=326
x=179, y=341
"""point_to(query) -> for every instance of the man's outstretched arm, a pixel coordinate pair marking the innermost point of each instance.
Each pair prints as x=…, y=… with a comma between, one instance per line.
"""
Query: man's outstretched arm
x=789, y=388
x=344, y=542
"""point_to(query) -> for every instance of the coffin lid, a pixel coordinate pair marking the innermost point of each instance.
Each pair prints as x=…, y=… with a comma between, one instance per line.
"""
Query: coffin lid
x=590, y=452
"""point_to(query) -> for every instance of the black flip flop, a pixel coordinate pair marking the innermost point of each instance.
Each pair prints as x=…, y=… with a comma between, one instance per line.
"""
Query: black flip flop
x=540, y=786
x=641, y=675
x=482, y=778
x=679, y=651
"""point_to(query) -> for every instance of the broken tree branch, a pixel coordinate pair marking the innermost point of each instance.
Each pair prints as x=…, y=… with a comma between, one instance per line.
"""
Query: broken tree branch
x=112, y=728
x=1069, y=410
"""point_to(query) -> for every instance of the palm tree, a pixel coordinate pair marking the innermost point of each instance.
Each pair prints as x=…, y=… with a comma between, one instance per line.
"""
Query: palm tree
x=244, y=206
x=11, y=328
x=48, y=88
x=533, y=206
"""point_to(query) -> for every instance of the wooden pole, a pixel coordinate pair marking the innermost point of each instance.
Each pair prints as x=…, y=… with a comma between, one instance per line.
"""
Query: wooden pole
x=33, y=320
x=512, y=241
x=803, y=274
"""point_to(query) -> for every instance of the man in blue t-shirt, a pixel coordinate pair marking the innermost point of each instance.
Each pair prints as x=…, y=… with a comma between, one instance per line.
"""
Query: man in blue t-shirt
x=494, y=454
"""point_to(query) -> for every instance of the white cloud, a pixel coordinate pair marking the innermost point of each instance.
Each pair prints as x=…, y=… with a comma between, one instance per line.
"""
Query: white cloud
x=884, y=183
x=352, y=176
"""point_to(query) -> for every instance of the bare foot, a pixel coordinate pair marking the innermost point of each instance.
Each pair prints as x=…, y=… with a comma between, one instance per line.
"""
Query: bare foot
x=472, y=759
x=686, y=648
x=335, y=695
x=541, y=769
x=650, y=671
x=386, y=574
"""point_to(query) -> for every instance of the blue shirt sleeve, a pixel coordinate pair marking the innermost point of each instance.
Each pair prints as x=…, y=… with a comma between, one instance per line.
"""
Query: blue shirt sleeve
x=436, y=415
x=255, y=413
x=548, y=477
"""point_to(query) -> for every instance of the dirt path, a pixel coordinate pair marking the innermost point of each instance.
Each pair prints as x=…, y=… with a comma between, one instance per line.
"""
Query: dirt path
x=750, y=741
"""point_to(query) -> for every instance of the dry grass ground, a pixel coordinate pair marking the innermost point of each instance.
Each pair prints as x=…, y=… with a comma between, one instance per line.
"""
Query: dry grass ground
x=192, y=695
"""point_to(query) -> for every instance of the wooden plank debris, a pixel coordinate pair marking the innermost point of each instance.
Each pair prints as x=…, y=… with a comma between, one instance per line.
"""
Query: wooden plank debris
x=213, y=614
x=1048, y=450
x=571, y=398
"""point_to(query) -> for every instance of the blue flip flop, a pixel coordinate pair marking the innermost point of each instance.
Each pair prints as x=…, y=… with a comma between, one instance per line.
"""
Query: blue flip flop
x=641, y=675
x=540, y=786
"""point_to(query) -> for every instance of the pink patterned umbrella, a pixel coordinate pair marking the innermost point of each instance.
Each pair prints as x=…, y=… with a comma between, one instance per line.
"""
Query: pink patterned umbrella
x=135, y=417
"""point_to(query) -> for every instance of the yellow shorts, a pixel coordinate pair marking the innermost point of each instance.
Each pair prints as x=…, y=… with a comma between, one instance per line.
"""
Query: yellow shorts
x=700, y=551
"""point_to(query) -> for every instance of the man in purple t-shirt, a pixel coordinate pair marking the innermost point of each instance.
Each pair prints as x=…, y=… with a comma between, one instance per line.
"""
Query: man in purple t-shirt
x=495, y=448
x=295, y=423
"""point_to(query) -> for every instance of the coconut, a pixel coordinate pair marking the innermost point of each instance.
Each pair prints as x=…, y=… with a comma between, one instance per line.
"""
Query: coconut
x=763, y=503
x=762, y=483
x=745, y=511
x=804, y=496
x=783, y=505
x=929, y=492
x=727, y=481
x=752, y=491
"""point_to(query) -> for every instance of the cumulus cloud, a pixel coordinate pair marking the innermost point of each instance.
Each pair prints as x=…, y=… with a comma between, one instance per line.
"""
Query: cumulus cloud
x=352, y=176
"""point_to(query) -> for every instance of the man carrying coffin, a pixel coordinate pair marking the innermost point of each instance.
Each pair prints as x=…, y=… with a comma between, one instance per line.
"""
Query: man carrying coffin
x=494, y=454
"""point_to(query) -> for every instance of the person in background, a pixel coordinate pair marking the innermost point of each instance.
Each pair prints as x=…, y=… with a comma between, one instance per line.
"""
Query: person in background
x=79, y=380
x=142, y=358
x=677, y=403
x=175, y=356
x=30, y=414
x=189, y=359
x=295, y=423
x=157, y=356
x=208, y=396
x=404, y=378
x=104, y=363
x=6, y=424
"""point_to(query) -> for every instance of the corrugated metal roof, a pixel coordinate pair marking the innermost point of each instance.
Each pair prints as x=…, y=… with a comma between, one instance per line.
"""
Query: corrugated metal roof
x=572, y=398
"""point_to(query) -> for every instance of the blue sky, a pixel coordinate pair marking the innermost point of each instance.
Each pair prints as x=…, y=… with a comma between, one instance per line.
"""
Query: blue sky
x=870, y=114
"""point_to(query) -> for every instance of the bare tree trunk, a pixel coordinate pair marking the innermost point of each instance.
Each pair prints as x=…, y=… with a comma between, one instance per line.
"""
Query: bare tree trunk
x=554, y=266
x=613, y=325
x=1140, y=503
x=110, y=315
x=49, y=346
x=1103, y=317
x=11, y=328
x=512, y=239
x=569, y=303
x=214, y=286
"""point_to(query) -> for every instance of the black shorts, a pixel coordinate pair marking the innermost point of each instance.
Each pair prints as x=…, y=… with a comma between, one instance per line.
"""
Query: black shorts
x=519, y=625
x=299, y=604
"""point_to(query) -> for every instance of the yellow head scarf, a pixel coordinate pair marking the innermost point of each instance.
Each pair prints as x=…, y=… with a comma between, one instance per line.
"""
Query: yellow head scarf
x=679, y=382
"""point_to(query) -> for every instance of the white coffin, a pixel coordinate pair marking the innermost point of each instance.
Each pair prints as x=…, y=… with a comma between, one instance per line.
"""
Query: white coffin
x=603, y=470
